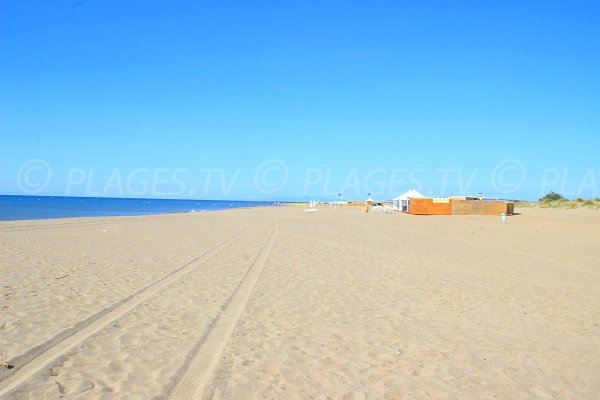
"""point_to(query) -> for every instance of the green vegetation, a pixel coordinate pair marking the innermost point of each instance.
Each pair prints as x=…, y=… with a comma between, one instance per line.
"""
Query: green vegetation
x=555, y=200
x=552, y=196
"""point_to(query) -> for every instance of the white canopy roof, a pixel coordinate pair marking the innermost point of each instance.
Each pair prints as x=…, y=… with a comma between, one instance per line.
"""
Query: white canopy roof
x=411, y=193
x=370, y=199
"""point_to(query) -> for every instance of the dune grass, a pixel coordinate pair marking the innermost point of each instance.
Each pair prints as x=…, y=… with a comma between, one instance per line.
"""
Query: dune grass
x=562, y=203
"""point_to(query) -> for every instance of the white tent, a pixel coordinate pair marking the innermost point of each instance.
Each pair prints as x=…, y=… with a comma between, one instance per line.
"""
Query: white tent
x=369, y=200
x=401, y=202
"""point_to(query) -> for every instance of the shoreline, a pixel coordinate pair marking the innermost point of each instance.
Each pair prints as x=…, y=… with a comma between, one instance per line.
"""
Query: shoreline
x=136, y=215
x=282, y=204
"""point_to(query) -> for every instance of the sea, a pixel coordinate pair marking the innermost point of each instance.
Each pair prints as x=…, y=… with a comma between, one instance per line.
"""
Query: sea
x=13, y=208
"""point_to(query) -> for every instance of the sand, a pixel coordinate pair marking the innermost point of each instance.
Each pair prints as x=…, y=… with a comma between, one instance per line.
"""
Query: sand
x=275, y=303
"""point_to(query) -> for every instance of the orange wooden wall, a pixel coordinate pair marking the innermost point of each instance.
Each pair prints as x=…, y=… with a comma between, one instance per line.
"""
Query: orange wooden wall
x=428, y=207
x=459, y=207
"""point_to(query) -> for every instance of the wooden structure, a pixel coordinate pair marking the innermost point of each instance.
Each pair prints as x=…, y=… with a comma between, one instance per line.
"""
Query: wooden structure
x=429, y=206
x=481, y=207
x=459, y=206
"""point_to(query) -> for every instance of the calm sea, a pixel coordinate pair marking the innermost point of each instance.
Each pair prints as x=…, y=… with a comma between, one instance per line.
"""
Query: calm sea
x=14, y=208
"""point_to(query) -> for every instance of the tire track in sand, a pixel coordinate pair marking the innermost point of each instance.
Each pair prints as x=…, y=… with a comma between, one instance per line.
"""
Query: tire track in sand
x=37, y=358
x=193, y=383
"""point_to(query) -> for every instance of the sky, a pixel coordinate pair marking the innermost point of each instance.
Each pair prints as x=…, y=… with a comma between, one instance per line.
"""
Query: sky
x=299, y=99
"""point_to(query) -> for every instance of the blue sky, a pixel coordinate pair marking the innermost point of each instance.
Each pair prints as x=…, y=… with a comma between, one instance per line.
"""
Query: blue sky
x=297, y=99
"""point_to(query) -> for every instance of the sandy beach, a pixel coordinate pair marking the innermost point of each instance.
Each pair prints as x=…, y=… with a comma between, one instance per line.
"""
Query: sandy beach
x=276, y=303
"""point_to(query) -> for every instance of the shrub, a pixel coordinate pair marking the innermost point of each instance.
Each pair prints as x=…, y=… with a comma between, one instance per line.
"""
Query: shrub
x=552, y=196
